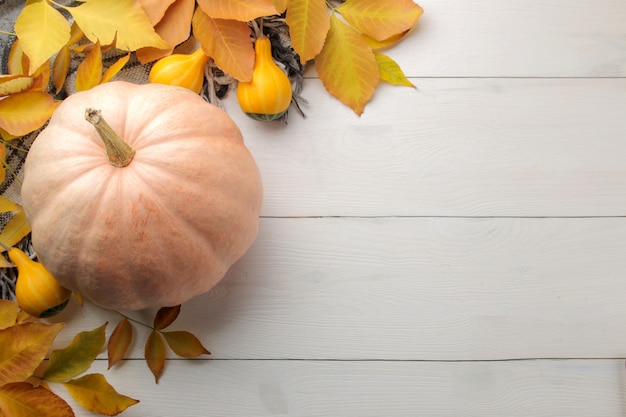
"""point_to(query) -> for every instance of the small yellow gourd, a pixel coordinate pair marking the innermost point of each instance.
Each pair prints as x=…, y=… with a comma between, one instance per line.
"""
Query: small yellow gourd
x=268, y=95
x=36, y=290
x=182, y=70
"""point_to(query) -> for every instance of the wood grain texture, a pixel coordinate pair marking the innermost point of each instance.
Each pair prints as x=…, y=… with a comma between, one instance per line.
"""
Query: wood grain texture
x=417, y=289
x=454, y=147
x=374, y=389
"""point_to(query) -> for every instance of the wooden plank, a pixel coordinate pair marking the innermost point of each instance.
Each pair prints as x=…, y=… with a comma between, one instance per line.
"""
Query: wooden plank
x=414, y=289
x=516, y=38
x=575, y=388
x=455, y=147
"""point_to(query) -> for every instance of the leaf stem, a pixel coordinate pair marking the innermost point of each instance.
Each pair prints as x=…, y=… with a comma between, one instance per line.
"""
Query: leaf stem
x=2, y=32
x=133, y=320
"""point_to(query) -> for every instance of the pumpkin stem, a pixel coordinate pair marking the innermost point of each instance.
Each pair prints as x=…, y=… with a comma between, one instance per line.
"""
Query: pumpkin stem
x=119, y=153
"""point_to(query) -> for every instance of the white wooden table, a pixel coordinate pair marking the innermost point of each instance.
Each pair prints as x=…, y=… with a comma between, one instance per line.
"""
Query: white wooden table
x=459, y=250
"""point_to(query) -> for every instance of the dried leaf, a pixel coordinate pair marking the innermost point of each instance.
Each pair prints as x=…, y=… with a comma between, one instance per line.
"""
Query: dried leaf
x=347, y=66
x=308, y=22
x=155, y=354
x=89, y=72
x=95, y=394
x=25, y=112
x=120, y=20
x=174, y=28
x=12, y=84
x=227, y=42
x=386, y=43
x=155, y=9
x=8, y=313
x=241, y=10
x=60, y=68
x=119, y=342
x=165, y=317
x=185, y=344
x=21, y=399
x=77, y=357
x=23, y=347
x=390, y=71
x=380, y=19
x=39, y=21
x=15, y=230
x=114, y=68
x=7, y=205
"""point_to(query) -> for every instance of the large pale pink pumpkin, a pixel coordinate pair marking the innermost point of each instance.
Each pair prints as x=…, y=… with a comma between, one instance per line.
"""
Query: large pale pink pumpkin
x=159, y=231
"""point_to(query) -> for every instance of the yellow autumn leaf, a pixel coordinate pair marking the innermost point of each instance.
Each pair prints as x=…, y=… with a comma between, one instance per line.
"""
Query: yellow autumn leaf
x=386, y=43
x=95, y=394
x=16, y=59
x=347, y=66
x=42, y=31
x=22, y=349
x=280, y=5
x=155, y=9
x=165, y=317
x=114, y=68
x=41, y=78
x=21, y=399
x=11, y=84
x=185, y=344
x=308, y=22
x=154, y=353
x=174, y=28
x=7, y=205
x=76, y=357
x=60, y=67
x=121, y=20
x=25, y=112
x=242, y=10
x=15, y=230
x=380, y=19
x=8, y=313
x=390, y=71
x=227, y=42
x=89, y=72
x=119, y=342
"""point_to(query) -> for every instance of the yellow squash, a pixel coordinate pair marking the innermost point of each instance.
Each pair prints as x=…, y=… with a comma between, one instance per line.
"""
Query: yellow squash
x=268, y=95
x=37, y=292
x=182, y=70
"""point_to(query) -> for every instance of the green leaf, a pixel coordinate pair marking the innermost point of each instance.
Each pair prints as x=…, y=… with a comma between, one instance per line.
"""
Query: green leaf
x=77, y=357
x=94, y=393
x=166, y=316
x=22, y=349
x=155, y=354
x=185, y=344
x=390, y=71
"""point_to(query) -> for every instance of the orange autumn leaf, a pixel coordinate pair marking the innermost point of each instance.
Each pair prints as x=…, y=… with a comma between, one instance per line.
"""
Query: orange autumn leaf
x=15, y=230
x=41, y=78
x=60, y=67
x=119, y=342
x=174, y=28
x=165, y=317
x=390, y=71
x=347, y=66
x=308, y=22
x=121, y=20
x=25, y=112
x=386, y=43
x=154, y=353
x=227, y=42
x=11, y=84
x=21, y=399
x=22, y=349
x=185, y=344
x=89, y=72
x=95, y=394
x=280, y=5
x=380, y=19
x=155, y=9
x=40, y=21
x=242, y=10
x=16, y=59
